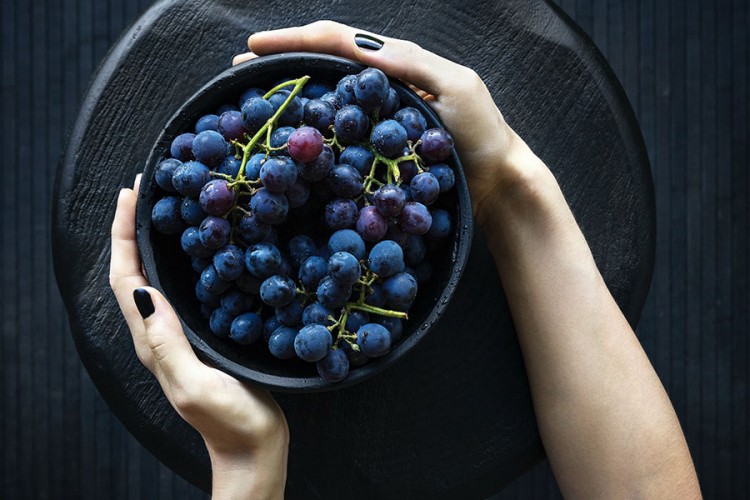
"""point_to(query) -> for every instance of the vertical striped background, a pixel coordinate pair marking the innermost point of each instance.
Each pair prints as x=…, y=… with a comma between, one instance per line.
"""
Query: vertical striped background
x=684, y=65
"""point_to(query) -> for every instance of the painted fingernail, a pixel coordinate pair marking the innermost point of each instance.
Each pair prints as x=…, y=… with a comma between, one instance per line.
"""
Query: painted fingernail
x=143, y=302
x=367, y=42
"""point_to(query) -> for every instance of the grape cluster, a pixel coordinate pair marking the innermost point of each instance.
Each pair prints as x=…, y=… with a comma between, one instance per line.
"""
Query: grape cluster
x=307, y=212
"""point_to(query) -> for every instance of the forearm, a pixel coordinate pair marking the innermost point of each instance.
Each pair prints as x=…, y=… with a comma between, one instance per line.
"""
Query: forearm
x=258, y=475
x=602, y=411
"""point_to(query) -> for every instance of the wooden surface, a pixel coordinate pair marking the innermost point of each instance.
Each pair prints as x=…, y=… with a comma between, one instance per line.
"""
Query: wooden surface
x=452, y=419
x=684, y=68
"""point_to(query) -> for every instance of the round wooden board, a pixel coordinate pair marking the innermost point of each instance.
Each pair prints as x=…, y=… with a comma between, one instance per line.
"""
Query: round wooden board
x=454, y=418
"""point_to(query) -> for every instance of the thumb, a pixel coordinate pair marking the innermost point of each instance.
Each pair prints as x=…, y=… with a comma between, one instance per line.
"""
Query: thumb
x=174, y=362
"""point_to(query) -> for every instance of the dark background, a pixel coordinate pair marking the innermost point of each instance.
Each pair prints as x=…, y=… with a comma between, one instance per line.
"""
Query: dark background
x=684, y=66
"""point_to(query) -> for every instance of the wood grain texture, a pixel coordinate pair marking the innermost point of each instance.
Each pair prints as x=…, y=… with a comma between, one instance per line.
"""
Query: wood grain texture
x=58, y=437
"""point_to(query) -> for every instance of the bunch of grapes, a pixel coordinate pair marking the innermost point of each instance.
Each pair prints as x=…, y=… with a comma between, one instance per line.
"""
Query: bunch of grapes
x=307, y=212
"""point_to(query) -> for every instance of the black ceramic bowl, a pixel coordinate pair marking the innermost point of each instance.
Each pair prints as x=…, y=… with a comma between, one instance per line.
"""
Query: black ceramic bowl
x=169, y=269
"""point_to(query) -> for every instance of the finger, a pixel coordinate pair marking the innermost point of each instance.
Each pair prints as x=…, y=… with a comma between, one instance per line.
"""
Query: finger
x=240, y=58
x=125, y=266
x=398, y=58
x=178, y=368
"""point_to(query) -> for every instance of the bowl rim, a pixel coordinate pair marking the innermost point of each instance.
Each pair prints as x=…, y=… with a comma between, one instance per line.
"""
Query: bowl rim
x=463, y=228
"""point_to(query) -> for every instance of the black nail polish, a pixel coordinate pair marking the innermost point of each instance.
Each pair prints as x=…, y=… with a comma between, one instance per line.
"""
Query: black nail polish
x=143, y=302
x=367, y=42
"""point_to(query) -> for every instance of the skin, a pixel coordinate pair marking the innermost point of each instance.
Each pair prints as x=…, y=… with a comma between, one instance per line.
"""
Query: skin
x=606, y=422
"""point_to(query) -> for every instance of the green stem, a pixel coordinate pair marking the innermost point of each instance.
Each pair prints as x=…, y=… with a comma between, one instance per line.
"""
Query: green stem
x=377, y=310
x=247, y=148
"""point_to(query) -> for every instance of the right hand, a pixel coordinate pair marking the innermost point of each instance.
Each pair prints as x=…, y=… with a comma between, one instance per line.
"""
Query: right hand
x=488, y=147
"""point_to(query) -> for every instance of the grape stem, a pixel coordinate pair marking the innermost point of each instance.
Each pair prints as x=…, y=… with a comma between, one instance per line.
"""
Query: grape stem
x=247, y=148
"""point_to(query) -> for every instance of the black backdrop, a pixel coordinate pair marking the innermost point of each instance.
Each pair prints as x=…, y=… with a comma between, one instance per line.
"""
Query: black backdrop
x=684, y=65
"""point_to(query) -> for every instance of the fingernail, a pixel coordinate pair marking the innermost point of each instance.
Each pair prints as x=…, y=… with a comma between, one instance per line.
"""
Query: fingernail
x=367, y=42
x=143, y=302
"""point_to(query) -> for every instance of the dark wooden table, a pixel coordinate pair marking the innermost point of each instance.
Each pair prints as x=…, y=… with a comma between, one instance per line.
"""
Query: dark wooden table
x=454, y=418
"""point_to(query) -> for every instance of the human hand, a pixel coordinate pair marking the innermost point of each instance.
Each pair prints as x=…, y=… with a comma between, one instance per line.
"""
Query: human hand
x=493, y=156
x=244, y=429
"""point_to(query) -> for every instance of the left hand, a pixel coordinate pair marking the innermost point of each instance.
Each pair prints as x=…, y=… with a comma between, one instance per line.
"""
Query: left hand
x=244, y=429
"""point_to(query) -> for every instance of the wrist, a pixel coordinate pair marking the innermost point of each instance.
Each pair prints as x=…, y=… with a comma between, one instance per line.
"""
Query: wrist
x=515, y=179
x=257, y=472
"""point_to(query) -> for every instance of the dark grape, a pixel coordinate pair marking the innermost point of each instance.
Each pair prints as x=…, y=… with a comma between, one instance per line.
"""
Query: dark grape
x=305, y=144
x=300, y=248
x=252, y=230
x=333, y=99
x=320, y=114
x=345, y=90
x=314, y=90
x=345, y=181
x=343, y=268
x=351, y=124
x=249, y=283
x=190, y=177
x=255, y=113
x=442, y=224
x=230, y=125
x=216, y=197
x=253, y=166
x=445, y=176
x=394, y=326
x=263, y=260
x=391, y=104
x=414, y=250
x=271, y=325
x=413, y=122
x=229, y=262
x=246, y=328
x=331, y=294
x=436, y=145
x=311, y=271
x=249, y=94
x=182, y=147
x=400, y=290
x=389, y=138
x=386, y=259
x=281, y=342
x=294, y=112
x=214, y=232
x=316, y=314
x=199, y=264
x=425, y=188
x=192, y=244
x=415, y=218
x=334, y=367
x=358, y=157
x=269, y=207
x=341, y=213
x=371, y=225
x=375, y=296
x=373, y=339
x=230, y=166
x=166, y=215
x=236, y=302
x=278, y=174
x=206, y=122
x=226, y=107
x=278, y=291
x=356, y=319
x=298, y=193
x=206, y=297
x=210, y=148
x=312, y=342
x=212, y=282
x=280, y=136
x=164, y=172
x=389, y=200
x=290, y=314
x=319, y=168
x=371, y=89
x=220, y=322
x=346, y=240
